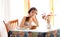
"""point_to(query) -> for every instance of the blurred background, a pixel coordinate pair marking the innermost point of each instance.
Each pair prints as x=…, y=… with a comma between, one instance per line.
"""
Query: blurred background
x=16, y=9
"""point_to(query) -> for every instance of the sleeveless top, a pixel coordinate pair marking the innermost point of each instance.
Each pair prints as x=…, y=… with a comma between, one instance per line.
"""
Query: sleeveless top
x=27, y=23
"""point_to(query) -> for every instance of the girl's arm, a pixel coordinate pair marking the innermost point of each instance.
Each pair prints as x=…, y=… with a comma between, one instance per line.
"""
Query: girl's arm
x=22, y=22
x=35, y=20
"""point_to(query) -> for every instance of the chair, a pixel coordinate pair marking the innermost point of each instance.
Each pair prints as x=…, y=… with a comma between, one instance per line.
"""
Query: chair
x=11, y=24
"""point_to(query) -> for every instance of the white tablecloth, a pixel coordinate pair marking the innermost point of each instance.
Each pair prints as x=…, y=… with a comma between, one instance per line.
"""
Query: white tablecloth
x=42, y=27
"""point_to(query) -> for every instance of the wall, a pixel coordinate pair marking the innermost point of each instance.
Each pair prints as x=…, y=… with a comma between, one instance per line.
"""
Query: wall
x=3, y=32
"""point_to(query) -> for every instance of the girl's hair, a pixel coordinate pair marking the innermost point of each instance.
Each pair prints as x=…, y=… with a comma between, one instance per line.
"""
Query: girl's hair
x=33, y=8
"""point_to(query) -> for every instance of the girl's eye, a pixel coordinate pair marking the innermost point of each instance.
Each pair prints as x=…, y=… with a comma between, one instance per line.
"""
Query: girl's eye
x=36, y=13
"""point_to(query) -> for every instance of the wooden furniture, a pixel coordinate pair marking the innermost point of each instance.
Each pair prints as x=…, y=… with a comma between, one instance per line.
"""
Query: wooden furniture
x=11, y=24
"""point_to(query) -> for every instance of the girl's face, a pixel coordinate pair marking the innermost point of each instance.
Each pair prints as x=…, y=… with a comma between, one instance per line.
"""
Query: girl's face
x=33, y=13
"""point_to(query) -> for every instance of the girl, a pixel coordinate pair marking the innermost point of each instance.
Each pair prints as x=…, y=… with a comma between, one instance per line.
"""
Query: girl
x=27, y=20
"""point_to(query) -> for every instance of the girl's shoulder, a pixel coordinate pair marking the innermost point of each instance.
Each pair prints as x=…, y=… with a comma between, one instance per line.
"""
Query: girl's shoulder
x=24, y=17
